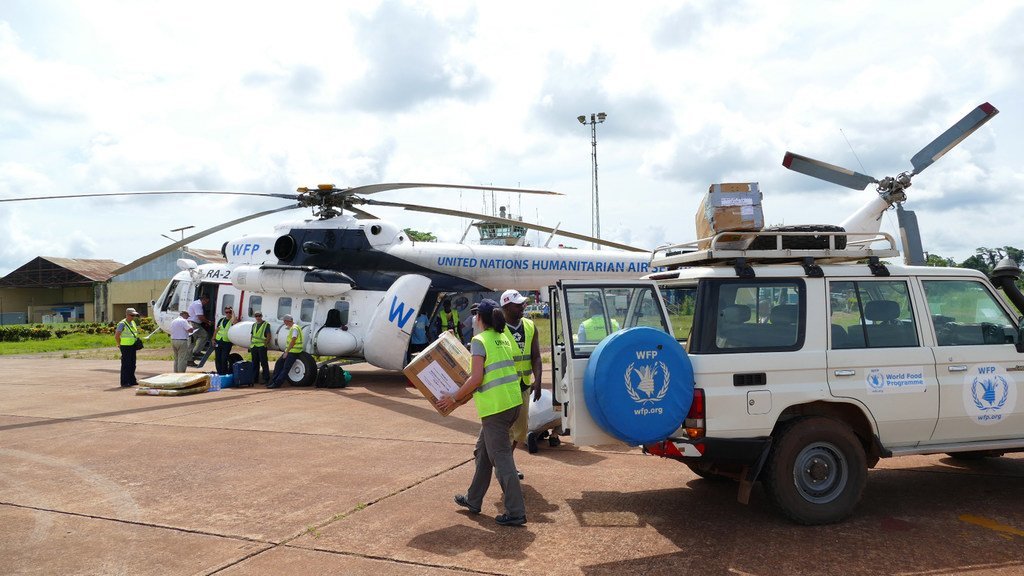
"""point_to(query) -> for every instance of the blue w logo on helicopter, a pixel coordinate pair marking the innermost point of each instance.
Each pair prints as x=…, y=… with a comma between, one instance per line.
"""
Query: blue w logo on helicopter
x=398, y=312
x=986, y=390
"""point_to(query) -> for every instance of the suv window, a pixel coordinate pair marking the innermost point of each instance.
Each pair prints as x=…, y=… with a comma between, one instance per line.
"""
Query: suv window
x=753, y=316
x=871, y=314
x=964, y=313
x=594, y=313
x=681, y=303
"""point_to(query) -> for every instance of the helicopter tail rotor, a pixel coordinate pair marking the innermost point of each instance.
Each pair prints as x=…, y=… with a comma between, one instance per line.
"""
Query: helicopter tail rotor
x=953, y=136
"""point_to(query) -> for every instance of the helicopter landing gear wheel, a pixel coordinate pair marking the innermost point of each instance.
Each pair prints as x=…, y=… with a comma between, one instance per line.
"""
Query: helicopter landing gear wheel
x=303, y=371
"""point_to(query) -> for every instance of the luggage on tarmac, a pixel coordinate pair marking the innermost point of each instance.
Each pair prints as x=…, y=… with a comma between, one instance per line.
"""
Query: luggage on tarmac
x=544, y=422
x=241, y=373
x=332, y=376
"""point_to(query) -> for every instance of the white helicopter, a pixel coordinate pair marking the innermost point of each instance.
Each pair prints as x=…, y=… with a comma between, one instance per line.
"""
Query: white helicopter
x=355, y=283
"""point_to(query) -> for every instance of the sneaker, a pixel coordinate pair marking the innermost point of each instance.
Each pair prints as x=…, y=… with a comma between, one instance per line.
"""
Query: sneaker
x=273, y=385
x=460, y=499
x=506, y=520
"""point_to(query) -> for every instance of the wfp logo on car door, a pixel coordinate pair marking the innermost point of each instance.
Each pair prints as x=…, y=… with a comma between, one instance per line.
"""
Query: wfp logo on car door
x=990, y=394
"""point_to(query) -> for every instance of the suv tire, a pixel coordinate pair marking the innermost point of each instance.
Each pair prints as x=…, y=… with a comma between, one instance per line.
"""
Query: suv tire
x=767, y=242
x=816, y=471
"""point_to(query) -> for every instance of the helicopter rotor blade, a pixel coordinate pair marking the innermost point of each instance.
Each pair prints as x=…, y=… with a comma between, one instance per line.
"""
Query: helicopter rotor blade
x=374, y=188
x=153, y=193
x=464, y=214
x=953, y=136
x=827, y=172
x=361, y=214
x=185, y=241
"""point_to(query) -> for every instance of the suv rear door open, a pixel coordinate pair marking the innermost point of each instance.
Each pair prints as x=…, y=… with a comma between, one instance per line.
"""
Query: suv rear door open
x=583, y=314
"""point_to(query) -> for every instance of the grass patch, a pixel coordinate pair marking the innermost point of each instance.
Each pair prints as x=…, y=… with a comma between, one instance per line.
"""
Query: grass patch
x=77, y=341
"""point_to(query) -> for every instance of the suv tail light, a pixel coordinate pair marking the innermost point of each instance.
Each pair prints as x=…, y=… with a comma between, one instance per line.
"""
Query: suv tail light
x=694, y=423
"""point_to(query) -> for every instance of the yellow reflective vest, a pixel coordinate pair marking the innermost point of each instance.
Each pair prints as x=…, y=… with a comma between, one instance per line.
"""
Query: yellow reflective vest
x=222, y=329
x=595, y=330
x=499, y=390
x=129, y=332
x=522, y=356
x=449, y=320
x=259, y=334
x=294, y=332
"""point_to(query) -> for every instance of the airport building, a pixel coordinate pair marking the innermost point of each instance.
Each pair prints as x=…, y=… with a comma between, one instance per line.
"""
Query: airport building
x=51, y=289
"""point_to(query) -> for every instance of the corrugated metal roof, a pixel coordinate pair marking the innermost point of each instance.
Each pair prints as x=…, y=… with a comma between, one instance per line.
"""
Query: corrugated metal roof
x=213, y=256
x=96, y=270
x=51, y=271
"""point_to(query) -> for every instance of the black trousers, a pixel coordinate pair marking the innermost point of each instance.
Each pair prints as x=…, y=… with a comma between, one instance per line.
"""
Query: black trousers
x=259, y=360
x=128, y=366
x=222, y=351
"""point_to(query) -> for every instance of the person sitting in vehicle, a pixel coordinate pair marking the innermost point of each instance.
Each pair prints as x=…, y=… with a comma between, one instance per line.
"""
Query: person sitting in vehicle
x=594, y=329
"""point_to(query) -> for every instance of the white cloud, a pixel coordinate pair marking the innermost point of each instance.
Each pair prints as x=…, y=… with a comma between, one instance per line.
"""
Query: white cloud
x=105, y=96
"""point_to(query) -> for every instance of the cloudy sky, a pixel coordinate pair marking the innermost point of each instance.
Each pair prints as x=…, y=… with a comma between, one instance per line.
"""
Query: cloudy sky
x=104, y=96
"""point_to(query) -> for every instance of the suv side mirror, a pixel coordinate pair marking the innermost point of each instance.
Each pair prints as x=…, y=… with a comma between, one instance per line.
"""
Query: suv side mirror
x=1020, y=336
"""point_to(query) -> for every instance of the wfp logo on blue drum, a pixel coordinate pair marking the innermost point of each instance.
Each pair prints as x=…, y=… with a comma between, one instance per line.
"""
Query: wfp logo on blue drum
x=647, y=382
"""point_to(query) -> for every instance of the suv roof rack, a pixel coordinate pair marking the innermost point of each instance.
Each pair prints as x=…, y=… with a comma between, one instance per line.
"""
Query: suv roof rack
x=725, y=248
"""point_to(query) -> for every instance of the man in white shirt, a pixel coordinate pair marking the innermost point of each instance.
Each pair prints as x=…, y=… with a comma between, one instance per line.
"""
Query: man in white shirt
x=197, y=316
x=180, y=330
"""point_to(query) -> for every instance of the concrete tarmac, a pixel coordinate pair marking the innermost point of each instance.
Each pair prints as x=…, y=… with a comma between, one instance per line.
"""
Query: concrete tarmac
x=97, y=480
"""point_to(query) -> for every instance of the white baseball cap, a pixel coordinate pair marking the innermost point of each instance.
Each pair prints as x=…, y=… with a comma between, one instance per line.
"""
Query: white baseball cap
x=512, y=297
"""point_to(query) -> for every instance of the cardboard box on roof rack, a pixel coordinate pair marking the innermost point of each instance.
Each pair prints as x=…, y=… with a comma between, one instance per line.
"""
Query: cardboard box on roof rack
x=440, y=369
x=729, y=207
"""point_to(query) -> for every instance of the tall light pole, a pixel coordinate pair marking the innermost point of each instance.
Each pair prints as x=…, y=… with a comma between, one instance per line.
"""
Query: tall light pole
x=595, y=205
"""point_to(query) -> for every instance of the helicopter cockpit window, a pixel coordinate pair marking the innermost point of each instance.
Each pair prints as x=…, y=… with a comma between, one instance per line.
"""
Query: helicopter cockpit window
x=172, y=303
x=284, y=306
x=306, y=310
x=255, y=305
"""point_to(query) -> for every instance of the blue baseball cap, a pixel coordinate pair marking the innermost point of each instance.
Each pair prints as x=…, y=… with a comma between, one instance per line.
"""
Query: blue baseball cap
x=486, y=307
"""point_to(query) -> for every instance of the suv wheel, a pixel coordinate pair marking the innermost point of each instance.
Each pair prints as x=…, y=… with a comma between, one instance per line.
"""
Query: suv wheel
x=816, y=471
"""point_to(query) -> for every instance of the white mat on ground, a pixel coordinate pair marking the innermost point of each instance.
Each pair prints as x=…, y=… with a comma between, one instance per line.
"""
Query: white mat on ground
x=175, y=380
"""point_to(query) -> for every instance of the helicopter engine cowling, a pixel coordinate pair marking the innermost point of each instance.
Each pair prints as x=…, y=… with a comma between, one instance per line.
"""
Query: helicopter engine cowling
x=274, y=280
x=336, y=342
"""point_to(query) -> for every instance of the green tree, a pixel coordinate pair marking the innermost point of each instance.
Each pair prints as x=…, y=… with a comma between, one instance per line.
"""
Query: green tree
x=417, y=236
x=940, y=261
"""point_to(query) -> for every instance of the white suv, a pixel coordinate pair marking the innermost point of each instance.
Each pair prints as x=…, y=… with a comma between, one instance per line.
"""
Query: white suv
x=798, y=368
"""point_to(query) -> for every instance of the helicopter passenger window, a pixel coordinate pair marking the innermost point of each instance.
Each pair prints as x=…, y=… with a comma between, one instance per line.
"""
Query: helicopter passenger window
x=228, y=301
x=342, y=307
x=255, y=305
x=284, y=306
x=306, y=310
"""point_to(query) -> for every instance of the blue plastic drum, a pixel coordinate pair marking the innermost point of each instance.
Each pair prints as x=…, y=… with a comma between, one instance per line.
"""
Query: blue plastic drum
x=639, y=385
